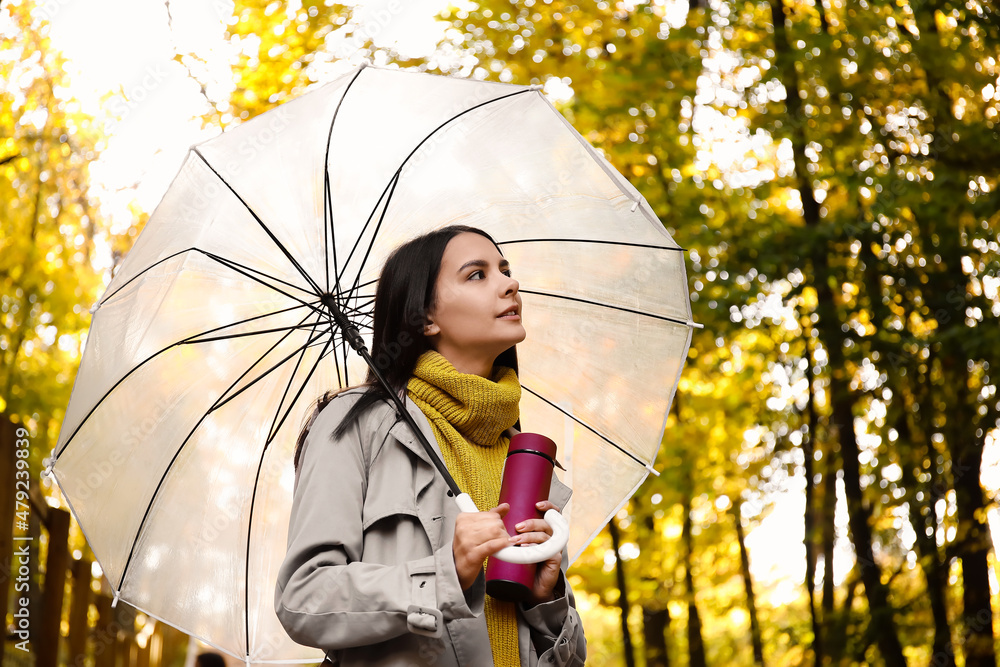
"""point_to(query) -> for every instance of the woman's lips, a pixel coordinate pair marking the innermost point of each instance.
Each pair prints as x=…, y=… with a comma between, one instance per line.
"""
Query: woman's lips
x=509, y=315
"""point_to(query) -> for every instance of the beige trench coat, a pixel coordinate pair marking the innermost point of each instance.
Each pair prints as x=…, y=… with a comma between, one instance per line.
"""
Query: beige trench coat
x=369, y=575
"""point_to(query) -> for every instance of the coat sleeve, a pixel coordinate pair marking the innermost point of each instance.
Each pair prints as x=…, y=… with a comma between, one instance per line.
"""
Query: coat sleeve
x=555, y=628
x=325, y=596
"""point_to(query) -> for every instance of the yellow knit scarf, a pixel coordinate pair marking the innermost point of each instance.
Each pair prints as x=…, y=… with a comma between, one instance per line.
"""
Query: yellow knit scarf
x=469, y=415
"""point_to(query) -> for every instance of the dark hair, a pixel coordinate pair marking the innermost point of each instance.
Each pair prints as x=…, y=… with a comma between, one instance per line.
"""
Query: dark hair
x=210, y=660
x=404, y=295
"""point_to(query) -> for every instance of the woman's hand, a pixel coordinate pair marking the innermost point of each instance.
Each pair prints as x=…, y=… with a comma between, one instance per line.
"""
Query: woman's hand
x=536, y=531
x=478, y=535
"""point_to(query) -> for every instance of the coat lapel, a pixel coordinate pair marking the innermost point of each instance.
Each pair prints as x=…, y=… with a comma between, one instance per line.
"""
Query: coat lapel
x=435, y=509
x=404, y=435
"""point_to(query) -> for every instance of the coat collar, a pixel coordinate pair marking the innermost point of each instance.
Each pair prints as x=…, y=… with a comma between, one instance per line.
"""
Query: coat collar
x=401, y=432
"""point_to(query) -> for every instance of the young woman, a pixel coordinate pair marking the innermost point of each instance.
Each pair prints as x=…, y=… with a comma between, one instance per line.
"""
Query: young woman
x=381, y=568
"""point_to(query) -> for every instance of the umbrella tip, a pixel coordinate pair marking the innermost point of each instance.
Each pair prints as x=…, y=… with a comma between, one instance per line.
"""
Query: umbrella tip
x=114, y=602
x=93, y=309
x=48, y=463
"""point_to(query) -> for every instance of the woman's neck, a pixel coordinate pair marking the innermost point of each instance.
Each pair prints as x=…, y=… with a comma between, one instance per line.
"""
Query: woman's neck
x=470, y=364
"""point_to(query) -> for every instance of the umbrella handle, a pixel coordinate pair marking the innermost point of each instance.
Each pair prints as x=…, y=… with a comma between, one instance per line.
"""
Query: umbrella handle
x=535, y=553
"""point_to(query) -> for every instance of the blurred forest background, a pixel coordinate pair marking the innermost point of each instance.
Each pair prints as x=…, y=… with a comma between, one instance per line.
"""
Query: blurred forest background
x=832, y=168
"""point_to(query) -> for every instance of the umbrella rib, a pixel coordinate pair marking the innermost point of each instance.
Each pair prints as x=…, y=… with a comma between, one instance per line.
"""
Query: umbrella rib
x=363, y=315
x=289, y=329
x=598, y=241
x=347, y=379
x=228, y=263
x=245, y=271
x=386, y=194
x=399, y=171
x=185, y=341
x=328, y=198
x=361, y=306
x=221, y=403
x=217, y=258
x=166, y=471
x=368, y=251
x=364, y=284
x=197, y=338
x=274, y=239
x=298, y=394
x=233, y=263
x=256, y=481
x=336, y=364
x=221, y=260
x=291, y=380
x=108, y=297
x=588, y=427
x=327, y=217
x=589, y=302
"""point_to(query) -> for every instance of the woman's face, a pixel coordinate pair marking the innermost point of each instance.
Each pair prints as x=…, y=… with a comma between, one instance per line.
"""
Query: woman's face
x=476, y=311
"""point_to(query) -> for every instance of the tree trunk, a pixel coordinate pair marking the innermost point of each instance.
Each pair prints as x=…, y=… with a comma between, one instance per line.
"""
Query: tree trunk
x=808, y=456
x=655, y=614
x=106, y=633
x=943, y=653
x=836, y=625
x=828, y=533
x=35, y=592
x=142, y=653
x=882, y=619
x=79, y=605
x=8, y=472
x=924, y=521
x=696, y=647
x=758, y=646
x=948, y=293
x=622, y=595
x=655, y=624
x=972, y=543
x=56, y=567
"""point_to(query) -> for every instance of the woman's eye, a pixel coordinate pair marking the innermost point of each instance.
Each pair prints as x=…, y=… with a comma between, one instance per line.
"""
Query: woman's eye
x=476, y=275
x=507, y=272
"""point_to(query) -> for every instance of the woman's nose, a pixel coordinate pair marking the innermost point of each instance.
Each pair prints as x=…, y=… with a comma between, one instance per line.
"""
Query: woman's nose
x=512, y=286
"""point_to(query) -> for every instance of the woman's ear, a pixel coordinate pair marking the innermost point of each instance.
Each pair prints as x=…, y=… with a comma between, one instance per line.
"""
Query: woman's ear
x=430, y=328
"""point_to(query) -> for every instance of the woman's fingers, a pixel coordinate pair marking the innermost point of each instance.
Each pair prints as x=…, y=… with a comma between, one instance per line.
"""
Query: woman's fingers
x=478, y=535
x=529, y=538
x=529, y=532
x=547, y=572
x=534, y=531
x=473, y=530
x=534, y=526
x=545, y=505
x=546, y=578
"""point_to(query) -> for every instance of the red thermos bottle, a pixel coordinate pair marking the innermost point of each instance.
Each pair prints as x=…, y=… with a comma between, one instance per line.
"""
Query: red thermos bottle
x=527, y=475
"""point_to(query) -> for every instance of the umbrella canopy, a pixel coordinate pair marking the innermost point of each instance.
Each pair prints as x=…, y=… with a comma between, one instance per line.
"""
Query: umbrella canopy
x=212, y=340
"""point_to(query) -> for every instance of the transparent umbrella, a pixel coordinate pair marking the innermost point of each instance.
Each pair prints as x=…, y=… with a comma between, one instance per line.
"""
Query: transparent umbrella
x=217, y=333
